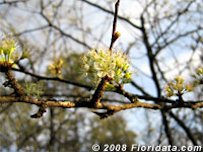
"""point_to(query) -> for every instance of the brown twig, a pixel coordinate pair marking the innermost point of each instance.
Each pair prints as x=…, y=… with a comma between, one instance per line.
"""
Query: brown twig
x=39, y=113
x=79, y=104
x=100, y=90
x=88, y=104
x=18, y=90
x=114, y=34
x=131, y=97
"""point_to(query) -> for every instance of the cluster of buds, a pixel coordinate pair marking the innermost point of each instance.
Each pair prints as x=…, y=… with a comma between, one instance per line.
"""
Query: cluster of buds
x=55, y=68
x=7, y=47
x=198, y=76
x=178, y=87
x=34, y=89
x=199, y=71
x=101, y=63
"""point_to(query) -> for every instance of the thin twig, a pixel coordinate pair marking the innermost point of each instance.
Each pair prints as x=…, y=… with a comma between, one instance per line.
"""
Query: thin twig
x=112, y=13
x=40, y=77
x=114, y=36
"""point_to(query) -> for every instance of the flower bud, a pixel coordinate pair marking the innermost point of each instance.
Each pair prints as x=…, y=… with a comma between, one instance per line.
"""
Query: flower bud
x=117, y=35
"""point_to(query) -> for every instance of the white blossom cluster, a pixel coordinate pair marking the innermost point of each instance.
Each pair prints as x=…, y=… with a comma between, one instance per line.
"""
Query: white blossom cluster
x=99, y=63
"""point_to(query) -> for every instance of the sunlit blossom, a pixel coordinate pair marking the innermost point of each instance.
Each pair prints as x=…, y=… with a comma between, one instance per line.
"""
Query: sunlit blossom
x=99, y=63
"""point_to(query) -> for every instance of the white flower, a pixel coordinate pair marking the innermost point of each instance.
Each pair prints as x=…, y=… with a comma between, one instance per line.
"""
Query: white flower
x=98, y=64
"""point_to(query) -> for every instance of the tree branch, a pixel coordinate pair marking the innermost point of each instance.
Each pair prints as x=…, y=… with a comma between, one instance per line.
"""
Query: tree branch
x=53, y=79
x=150, y=56
x=88, y=104
x=100, y=90
x=110, y=12
x=114, y=37
x=184, y=127
x=18, y=90
x=62, y=32
x=166, y=127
